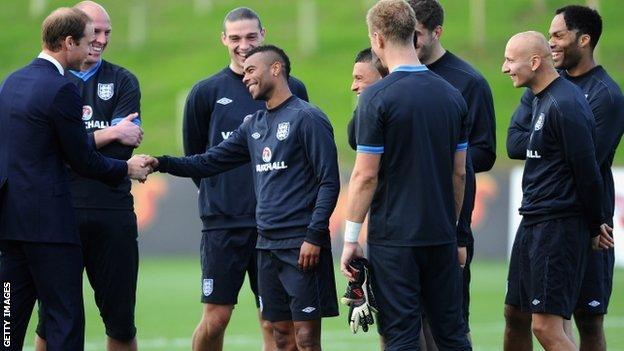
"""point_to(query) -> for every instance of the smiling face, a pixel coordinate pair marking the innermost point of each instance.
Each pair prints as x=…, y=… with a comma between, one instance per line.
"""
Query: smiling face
x=240, y=37
x=258, y=77
x=517, y=64
x=564, y=44
x=364, y=74
x=102, y=28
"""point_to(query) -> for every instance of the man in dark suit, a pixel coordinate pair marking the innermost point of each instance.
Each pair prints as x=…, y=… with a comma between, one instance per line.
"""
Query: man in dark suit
x=40, y=131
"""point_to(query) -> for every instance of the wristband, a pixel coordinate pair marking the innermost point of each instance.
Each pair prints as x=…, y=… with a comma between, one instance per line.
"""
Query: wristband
x=352, y=231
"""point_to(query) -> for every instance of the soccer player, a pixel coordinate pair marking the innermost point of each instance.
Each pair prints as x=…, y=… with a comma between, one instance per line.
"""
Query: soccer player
x=105, y=216
x=415, y=120
x=294, y=161
x=365, y=73
x=215, y=108
x=574, y=33
x=562, y=198
x=481, y=122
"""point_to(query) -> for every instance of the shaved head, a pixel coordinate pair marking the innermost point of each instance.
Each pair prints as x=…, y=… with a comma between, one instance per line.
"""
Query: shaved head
x=101, y=26
x=528, y=60
x=530, y=43
x=92, y=9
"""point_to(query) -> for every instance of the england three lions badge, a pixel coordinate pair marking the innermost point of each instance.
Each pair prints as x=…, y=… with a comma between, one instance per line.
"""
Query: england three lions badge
x=283, y=129
x=106, y=91
x=207, y=286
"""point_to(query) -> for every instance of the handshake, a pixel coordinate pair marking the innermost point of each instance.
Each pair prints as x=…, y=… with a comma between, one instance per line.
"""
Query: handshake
x=140, y=166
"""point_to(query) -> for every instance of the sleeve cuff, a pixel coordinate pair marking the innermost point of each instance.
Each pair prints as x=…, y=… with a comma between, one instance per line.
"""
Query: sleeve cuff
x=163, y=163
x=316, y=237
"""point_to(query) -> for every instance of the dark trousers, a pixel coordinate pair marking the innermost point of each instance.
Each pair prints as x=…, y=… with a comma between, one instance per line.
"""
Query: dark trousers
x=51, y=273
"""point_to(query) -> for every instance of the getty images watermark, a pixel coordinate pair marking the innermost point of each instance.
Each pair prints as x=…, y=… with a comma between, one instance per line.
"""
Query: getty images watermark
x=6, y=314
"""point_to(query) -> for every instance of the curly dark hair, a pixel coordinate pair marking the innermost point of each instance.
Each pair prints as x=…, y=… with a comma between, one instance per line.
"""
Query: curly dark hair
x=583, y=19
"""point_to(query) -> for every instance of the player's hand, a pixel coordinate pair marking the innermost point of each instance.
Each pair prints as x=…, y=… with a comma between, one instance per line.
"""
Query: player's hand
x=604, y=239
x=137, y=168
x=349, y=252
x=127, y=132
x=462, y=256
x=149, y=162
x=308, y=256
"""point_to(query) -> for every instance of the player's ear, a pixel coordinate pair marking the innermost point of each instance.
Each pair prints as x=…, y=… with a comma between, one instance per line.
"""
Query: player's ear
x=276, y=68
x=379, y=40
x=584, y=40
x=536, y=62
x=223, y=38
x=437, y=32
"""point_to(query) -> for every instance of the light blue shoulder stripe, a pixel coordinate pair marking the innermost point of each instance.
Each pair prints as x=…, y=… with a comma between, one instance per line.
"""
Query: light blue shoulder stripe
x=370, y=149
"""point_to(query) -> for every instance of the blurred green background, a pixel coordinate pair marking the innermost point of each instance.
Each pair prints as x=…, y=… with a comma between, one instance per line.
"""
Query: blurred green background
x=170, y=45
x=182, y=45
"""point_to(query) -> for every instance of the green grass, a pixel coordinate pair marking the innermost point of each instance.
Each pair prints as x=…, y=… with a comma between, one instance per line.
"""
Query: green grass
x=183, y=46
x=168, y=310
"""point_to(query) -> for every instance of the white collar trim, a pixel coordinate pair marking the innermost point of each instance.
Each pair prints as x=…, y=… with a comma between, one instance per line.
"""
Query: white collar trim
x=58, y=65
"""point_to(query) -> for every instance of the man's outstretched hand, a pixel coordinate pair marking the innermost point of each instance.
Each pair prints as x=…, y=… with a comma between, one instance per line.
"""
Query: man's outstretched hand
x=138, y=168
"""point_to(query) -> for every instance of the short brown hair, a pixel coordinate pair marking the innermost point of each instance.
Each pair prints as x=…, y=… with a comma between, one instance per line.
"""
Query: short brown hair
x=429, y=13
x=394, y=19
x=62, y=23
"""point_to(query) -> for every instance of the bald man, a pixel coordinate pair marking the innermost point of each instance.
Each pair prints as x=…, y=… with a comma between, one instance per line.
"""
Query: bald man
x=105, y=215
x=562, y=196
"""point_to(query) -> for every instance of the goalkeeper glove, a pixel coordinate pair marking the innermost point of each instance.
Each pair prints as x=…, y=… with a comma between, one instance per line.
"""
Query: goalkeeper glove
x=359, y=296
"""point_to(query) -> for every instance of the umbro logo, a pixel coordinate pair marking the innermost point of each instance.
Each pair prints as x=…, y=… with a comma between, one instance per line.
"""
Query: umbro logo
x=536, y=302
x=308, y=309
x=255, y=135
x=224, y=101
x=594, y=303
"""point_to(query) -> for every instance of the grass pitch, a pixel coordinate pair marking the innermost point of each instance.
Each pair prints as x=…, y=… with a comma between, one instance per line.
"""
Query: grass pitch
x=168, y=310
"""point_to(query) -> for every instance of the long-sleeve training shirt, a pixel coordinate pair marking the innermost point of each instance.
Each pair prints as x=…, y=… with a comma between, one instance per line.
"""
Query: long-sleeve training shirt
x=295, y=169
x=561, y=176
x=214, y=109
x=607, y=104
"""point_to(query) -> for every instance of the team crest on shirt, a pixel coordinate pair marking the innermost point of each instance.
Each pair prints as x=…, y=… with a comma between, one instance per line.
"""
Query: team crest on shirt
x=106, y=91
x=207, y=286
x=87, y=112
x=266, y=154
x=540, y=122
x=283, y=129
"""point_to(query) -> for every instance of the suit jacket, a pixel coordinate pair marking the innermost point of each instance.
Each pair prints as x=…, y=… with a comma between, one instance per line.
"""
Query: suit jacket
x=41, y=129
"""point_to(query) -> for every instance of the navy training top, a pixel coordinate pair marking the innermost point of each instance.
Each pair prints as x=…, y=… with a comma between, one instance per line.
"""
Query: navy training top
x=561, y=176
x=214, y=109
x=295, y=169
x=416, y=121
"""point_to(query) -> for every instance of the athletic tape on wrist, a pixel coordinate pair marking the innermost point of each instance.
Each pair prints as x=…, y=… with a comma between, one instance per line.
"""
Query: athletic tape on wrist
x=352, y=231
